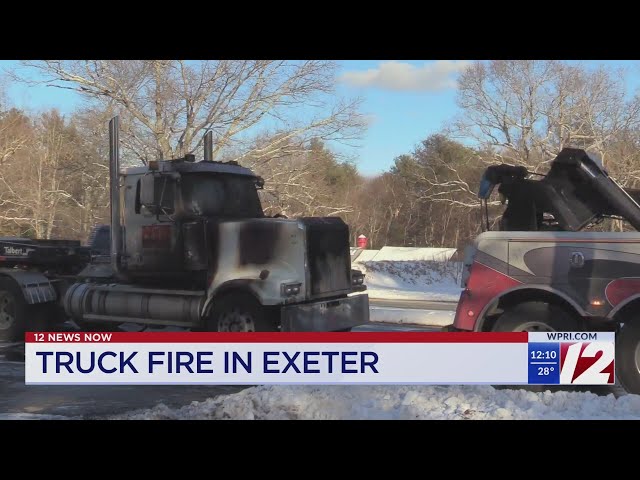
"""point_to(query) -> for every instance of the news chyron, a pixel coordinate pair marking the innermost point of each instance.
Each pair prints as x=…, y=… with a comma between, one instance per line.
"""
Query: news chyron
x=334, y=358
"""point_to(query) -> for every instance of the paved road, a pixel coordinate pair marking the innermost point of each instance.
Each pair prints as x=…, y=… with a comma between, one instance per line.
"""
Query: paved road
x=18, y=400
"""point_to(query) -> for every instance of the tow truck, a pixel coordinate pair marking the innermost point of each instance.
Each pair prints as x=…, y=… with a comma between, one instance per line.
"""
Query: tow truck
x=546, y=269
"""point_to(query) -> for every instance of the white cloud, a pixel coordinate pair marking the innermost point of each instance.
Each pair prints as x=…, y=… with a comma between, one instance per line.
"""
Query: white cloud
x=402, y=76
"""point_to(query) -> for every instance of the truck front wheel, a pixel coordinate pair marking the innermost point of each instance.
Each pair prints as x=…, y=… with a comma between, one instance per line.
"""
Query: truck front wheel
x=240, y=312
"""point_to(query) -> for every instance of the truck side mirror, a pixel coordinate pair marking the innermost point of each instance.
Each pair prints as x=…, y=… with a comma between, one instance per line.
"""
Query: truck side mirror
x=486, y=187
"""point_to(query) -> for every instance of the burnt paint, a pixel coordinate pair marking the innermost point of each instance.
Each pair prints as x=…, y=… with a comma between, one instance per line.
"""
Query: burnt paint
x=328, y=254
x=212, y=229
x=195, y=248
x=258, y=241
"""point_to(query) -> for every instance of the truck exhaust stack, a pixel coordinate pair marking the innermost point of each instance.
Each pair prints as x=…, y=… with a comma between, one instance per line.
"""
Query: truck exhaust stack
x=208, y=146
x=114, y=183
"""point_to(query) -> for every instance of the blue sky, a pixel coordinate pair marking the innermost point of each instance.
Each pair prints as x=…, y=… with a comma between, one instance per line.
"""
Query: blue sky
x=399, y=118
x=405, y=100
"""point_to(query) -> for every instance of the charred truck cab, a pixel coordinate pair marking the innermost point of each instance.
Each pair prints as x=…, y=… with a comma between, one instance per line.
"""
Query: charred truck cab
x=191, y=247
x=545, y=271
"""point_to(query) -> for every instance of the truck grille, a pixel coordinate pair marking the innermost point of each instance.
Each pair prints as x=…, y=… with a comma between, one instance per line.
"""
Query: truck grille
x=328, y=255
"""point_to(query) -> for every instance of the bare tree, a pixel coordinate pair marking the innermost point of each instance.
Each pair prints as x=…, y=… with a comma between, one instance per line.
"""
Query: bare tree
x=87, y=194
x=378, y=204
x=16, y=132
x=56, y=186
x=12, y=134
x=526, y=111
x=166, y=105
x=299, y=181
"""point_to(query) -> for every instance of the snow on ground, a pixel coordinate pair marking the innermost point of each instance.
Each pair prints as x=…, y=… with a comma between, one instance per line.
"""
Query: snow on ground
x=31, y=416
x=398, y=402
x=412, y=280
x=413, y=254
x=363, y=255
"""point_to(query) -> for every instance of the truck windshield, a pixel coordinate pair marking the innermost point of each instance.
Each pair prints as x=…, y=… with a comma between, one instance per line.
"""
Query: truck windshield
x=220, y=196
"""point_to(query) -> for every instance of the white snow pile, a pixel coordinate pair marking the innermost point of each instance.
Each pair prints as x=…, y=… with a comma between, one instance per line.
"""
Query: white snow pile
x=412, y=280
x=410, y=254
x=32, y=416
x=398, y=403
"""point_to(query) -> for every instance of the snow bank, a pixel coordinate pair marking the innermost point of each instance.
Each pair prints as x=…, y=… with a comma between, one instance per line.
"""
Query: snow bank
x=364, y=255
x=414, y=254
x=412, y=280
x=31, y=416
x=399, y=402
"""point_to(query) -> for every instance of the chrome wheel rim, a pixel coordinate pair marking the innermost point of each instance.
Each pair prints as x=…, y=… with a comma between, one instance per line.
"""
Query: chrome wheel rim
x=534, y=327
x=637, y=357
x=236, y=320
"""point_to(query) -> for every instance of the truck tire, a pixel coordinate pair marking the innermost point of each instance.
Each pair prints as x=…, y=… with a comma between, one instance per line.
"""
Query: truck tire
x=536, y=317
x=16, y=315
x=628, y=357
x=240, y=312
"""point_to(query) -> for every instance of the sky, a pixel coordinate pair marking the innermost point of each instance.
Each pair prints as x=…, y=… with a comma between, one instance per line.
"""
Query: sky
x=404, y=101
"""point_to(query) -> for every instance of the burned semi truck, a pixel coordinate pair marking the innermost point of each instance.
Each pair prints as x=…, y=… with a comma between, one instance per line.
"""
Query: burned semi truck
x=191, y=247
x=547, y=269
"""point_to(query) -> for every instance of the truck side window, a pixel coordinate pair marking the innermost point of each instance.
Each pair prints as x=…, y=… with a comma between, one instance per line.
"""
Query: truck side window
x=164, y=192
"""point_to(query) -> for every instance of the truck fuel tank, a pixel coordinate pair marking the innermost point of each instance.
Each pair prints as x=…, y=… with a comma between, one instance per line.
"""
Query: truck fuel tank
x=128, y=304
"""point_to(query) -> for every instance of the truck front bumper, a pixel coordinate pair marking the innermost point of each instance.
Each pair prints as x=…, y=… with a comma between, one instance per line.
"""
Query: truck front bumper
x=326, y=316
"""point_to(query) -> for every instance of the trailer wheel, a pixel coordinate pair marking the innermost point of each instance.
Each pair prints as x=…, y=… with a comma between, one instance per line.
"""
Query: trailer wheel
x=628, y=357
x=240, y=312
x=14, y=310
x=536, y=317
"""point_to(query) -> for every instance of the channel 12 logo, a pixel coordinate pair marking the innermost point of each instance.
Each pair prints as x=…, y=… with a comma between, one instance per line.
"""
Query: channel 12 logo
x=571, y=363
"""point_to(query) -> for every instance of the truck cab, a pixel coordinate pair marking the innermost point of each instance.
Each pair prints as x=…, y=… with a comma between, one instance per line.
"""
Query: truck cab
x=191, y=246
x=165, y=208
